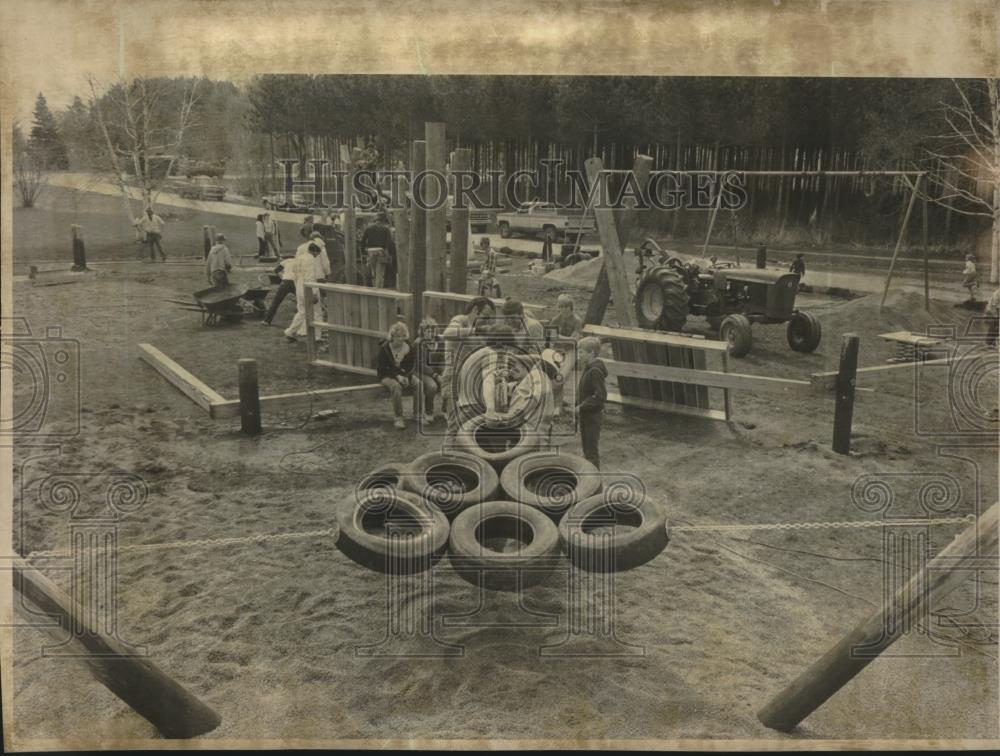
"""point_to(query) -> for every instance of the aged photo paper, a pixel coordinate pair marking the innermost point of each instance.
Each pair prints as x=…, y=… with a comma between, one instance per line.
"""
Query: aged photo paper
x=530, y=374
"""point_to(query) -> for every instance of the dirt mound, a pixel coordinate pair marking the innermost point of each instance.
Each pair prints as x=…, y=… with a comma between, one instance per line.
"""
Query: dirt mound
x=582, y=275
x=903, y=311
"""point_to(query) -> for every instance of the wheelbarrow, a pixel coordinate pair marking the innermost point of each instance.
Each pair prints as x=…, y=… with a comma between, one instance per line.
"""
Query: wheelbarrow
x=224, y=304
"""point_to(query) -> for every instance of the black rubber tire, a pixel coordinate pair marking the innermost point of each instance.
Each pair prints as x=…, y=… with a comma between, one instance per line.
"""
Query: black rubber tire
x=617, y=550
x=432, y=477
x=504, y=229
x=382, y=552
x=471, y=439
x=736, y=330
x=387, y=475
x=480, y=565
x=661, y=299
x=567, y=479
x=803, y=332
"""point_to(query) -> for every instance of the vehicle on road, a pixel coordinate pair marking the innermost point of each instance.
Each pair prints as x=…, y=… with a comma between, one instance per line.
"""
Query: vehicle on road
x=479, y=219
x=731, y=299
x=199, y=187
x=546, y=220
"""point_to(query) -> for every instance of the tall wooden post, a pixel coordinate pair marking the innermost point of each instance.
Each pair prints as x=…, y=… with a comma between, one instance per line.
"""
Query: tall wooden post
x=206, y=237
x=927, y=275
x=953, y=566
x=79, y=251
x=437, y=220
x=458, y=276
x=250, y=396
x=625, y=222
x=902, y=235
x=401, y=227
x=350, y=225
x=613, y=262
x=711, y=221
x=843, y=413
x=418, y=236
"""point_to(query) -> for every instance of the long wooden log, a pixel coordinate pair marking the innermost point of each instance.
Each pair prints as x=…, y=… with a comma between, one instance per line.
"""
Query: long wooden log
x=899, y=239
x=418, y=236
x=173, y=710
x=437, y=219
x=350, y=223
x=613, y=262
x=458, y=274
x=713, y=378
x=838, y=666
x=401, y=227
x=299, y=400
x=197, y=391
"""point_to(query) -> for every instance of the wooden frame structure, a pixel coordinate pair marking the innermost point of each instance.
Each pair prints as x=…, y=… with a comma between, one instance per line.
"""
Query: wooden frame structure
x=443, y=306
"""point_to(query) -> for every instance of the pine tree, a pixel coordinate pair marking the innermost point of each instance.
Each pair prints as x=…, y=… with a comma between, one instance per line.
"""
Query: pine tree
x=44, y=141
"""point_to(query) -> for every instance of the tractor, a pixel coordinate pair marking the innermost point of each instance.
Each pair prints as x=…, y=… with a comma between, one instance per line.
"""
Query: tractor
x=731, y=299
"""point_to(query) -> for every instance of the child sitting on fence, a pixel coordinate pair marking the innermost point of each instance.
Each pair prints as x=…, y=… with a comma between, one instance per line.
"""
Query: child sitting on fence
x=395, y=367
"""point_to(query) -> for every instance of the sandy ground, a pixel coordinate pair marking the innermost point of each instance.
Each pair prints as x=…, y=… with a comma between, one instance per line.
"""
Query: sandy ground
x=268, y=633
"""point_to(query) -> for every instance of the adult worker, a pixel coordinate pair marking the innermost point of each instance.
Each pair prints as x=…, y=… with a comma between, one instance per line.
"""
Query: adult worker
x=379, y=248
x=303, y=272
x=219, y=263
x=530, y=333
x=798, y=266
x=271, y=235
x=151, y=225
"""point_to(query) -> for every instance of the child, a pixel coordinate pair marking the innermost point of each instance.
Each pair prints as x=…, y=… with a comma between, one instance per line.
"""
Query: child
x=970, y=278
x=394, y=367
x=569, y=326
x=431, y=359
x=591, y=396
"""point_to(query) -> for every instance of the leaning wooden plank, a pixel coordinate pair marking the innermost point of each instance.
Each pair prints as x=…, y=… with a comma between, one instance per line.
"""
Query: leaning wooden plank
x=197, y=391
x=715, y=378
x=653, y=337
x=954, y=566
x=825, y=381
x=136, y=680
x=679, y=409
x=613, y=262
x=364, y=290
x=344, y=367
x=300, y=400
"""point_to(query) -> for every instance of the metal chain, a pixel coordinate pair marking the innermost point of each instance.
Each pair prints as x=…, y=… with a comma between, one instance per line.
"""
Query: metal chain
x=969, y=518
x=261, y=538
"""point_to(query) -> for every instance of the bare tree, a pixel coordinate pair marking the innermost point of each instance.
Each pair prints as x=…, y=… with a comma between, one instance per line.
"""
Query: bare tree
x=28, y=169
x=968, y=154
x=143, y=123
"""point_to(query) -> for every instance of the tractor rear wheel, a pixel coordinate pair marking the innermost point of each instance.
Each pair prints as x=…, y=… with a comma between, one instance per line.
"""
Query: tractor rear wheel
x=803, y=332
x=661, y=299
x=735, y=329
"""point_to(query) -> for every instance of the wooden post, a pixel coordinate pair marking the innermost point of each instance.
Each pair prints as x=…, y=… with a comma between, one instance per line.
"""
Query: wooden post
x=711, y=223
x=928, y=588
x=625, y=222
x=206, y=236
x=613, y=262
x=843, y=412
x=436, y=219
x=401, y=226
x=136, y=680
x=310, y=317
x=458, y=275
x=899, y=239
x=250, y=395
x=418, y=237
x=350, y=224
x=927, y=276
x=79, y=251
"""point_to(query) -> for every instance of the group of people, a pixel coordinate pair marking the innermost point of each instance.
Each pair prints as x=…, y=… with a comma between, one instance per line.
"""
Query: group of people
x=507, y=366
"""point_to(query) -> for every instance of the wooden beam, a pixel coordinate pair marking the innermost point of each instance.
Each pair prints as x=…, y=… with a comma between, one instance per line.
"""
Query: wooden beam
x=712, y=378
x=350, y=223
x=846, y=378
x=197, y=391
x=899, y=239
x=249, y=397
x=343, y=367
x=951, y=568
x=322, y=325
x=437, y=277
x=401, y=228
x=655, y=337
x=458, y=275
x=826, y=380
x=173, y=710
x=418, y=237
x=366, y=290
x=625, y=220
x=613, y=262
x=680, y=409
x=300, y=400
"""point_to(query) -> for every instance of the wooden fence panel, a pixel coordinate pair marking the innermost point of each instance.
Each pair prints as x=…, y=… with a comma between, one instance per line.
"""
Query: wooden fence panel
x=357, y=320
x=443, y=306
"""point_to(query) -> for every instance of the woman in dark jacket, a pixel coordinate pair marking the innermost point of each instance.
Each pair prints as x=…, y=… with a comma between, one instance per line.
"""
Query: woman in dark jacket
x=394, y=366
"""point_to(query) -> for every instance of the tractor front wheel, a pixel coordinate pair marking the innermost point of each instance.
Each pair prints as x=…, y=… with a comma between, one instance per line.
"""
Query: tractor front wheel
x=735, y=330
x=803, y=332
x=661, y=300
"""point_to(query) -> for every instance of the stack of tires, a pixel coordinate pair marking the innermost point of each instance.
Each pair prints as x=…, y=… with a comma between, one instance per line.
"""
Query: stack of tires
x=506, y=510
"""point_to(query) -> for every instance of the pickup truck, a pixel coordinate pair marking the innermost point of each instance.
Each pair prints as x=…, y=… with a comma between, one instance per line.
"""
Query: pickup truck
x=544, y=219
x=200, y=187
x=479, y=219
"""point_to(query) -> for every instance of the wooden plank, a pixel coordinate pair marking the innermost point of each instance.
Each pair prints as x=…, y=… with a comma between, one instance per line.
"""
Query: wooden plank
x=363, y=290
x=436, y=277
x=464, y=299
x=714, y=378
x=344, y=367
x=350, y=223
x=299, y=400
x=168, y=706
x=727, y=397
x=308, y=293
x=826, y=380
x=418, y=235
x=679, y=409
x=458, y=274
x=197, y=391
x=613, y=262
x=401, y=227
x=322, y=325
x=654, y=337
x=675, y=359
x=953, y=567
x=699, y=361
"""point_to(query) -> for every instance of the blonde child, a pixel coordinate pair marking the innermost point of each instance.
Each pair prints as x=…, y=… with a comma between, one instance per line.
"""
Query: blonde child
x=569, y=326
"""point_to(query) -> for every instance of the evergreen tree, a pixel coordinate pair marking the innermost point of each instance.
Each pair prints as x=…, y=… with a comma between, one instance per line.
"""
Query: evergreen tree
x=45, y=141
